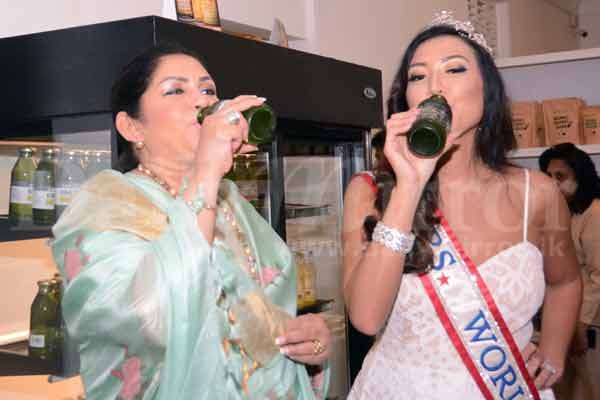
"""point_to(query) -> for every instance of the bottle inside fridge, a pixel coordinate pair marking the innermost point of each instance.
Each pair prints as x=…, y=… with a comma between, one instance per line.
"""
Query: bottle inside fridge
x=314, y=187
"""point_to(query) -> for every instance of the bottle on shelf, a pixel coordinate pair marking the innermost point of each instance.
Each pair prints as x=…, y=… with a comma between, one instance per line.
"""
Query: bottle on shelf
x=98, y=161
x=245, y=178
x=69, y=179
x=44, y=192
x=45, y=337
x=20, y=212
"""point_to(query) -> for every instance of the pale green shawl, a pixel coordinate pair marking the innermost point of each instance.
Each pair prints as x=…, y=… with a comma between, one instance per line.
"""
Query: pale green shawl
x=161, y=314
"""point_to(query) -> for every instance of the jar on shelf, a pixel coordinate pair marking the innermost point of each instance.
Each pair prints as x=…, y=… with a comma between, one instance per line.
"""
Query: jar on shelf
x=44, y=190
x=69, y=179
x=20, y=212
x=45, y=338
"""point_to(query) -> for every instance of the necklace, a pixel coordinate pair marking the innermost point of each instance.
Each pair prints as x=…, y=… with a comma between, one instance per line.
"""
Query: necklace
x=229, y=216
x=247, y=255
x=156, y=179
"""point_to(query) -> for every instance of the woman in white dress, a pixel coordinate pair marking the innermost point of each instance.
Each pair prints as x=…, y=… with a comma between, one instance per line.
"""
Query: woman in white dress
x=466, y=249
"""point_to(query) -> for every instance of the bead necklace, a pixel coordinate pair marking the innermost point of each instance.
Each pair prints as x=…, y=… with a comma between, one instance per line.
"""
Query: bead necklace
x=247, y=257
x=156, y=179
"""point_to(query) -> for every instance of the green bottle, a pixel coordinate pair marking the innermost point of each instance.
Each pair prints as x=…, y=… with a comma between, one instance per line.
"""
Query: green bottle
x=21, y=189
x=261, y=121
x=427, y=135
x=44, y=192
x=45, y=337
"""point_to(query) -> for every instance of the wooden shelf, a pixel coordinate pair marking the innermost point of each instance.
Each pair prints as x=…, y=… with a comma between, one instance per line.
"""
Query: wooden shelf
x=534, y=152
x=548, y=58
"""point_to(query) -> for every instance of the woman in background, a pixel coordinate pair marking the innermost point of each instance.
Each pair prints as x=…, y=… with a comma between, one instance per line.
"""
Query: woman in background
x=576, y=177
x=461, y=255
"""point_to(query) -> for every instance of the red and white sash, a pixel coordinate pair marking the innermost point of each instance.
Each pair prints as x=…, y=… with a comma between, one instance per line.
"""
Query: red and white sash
x=471, y=318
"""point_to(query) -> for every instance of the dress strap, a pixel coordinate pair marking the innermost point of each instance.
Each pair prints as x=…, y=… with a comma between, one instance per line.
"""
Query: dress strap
x=369, y=177
x=526, y=205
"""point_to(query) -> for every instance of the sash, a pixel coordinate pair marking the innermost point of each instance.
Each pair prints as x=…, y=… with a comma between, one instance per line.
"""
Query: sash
x=473, y=322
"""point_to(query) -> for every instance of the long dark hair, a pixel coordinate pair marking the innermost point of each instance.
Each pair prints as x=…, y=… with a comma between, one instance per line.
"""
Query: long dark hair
x=586, y=176
x=130, y=85
x=493, y=140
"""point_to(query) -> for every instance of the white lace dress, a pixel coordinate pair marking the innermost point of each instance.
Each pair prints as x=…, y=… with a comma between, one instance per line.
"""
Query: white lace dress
x=414, y=358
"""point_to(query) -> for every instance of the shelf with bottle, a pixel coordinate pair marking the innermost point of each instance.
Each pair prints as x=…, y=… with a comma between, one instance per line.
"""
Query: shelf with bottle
x=43, y=352
x=42, y=178
x=534, y=152
x=293, y=210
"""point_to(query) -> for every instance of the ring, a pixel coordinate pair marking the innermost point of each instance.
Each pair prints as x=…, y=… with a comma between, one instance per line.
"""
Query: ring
x=233, y=117
x=318, y=347
x=548, y=367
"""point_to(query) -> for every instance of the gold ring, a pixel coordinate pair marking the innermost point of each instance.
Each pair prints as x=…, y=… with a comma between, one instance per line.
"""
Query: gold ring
x=318, y=347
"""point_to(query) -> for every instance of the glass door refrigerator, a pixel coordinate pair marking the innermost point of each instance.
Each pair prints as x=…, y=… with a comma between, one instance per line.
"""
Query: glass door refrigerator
x=298, y=184
x=325, y=110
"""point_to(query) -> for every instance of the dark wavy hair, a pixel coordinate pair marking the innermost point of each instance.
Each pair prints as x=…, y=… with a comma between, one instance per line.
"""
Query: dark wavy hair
x=588, y=182
x=494, y=138
x=130, y=85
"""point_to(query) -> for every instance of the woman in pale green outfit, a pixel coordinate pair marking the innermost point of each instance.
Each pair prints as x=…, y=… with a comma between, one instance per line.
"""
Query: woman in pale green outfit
x=175, y=287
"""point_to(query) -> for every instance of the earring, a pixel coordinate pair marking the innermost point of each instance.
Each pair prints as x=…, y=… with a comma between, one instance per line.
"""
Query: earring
x=139, y=145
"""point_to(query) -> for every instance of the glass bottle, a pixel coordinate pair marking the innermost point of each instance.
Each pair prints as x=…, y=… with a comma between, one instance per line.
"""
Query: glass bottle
x=261, y=121
x=300, y=269
x=98, y=161
x=44, y=193
x=45, y=333
x=427, y=135
x=261, y=177
x=310, y=279
x=246, y=180
x=69, y=179
x=21, y=189
x=184, y=10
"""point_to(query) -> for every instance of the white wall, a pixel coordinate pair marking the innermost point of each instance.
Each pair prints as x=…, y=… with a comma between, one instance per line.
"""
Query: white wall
x=541, y=26
x=23, y=17
x=589, y=20
x=375, y=33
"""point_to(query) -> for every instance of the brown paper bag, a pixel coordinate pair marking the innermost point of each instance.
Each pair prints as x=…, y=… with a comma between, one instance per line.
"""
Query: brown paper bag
x=591, y=124
x=528, y=126
x=562, y=120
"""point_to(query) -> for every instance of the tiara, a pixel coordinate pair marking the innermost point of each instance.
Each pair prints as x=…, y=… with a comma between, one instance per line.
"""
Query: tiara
x=464, y=28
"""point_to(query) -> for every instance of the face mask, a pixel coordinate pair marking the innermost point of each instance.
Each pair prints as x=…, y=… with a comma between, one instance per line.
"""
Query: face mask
x=568, y=187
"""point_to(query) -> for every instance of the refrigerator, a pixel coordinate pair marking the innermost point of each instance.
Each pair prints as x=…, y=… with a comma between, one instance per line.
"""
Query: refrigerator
x=304, y=174
x=325, y=111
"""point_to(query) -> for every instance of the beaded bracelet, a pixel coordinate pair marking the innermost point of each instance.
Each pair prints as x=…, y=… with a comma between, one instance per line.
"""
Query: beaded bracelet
x=393, y=239
x=197, y=204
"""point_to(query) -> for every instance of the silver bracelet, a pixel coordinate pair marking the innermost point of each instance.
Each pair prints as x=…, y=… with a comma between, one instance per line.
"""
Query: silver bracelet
x=393, y=239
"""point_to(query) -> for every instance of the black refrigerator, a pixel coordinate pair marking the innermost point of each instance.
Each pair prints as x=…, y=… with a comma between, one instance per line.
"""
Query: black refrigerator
x=57, y=86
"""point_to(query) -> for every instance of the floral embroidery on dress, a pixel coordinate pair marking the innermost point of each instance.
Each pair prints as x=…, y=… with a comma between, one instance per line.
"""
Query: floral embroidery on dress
x=130, y=374
x=74, y=260
x=268, y=275
x=73, y=263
